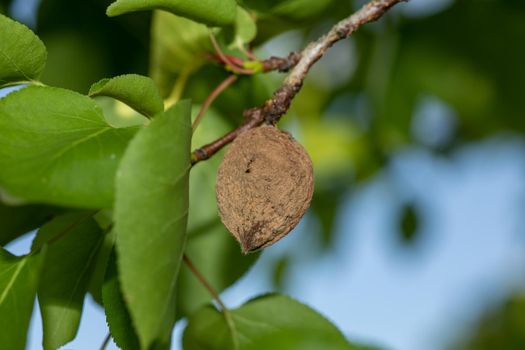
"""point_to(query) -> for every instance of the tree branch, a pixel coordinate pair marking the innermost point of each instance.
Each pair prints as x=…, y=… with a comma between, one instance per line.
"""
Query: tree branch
x=281, y=64
x=274, y=108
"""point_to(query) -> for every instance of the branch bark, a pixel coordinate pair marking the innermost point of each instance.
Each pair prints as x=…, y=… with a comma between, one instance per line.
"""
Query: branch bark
x=274, y=108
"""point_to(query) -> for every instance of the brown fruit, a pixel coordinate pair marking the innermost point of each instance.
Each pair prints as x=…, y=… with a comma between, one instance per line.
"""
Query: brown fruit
x=264, y=186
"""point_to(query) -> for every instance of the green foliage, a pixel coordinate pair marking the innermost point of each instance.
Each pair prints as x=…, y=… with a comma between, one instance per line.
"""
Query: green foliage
x=66, y=273
x=57, y=148
x=22, y=53
x=210, y=247
x=245, y=29
x=289, y=9
x=153, y=174
x=18, y=284
x=117, y=314
x=217, y=256
x=268, y=322
x=210, y=12
x=17, y=220
x=500, y=327
x=408, y=224
x=137, y=91
x=178, y=47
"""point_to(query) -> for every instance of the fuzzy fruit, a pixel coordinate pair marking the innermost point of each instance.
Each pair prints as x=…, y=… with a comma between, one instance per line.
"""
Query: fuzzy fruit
x=264, y=186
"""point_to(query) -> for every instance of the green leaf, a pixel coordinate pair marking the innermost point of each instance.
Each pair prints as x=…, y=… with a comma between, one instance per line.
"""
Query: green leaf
x=209, y=12
x=211, y=248
x=203, y=205
x=289, y=9
x=268, y=322
x=73, y=241
x=100, y=265
x=57, y=148
x=17, y=220
x=117, y=314
x=178, y=46
x=300, y=9
x=22, y=53
x=137, y=91
x=245, y=29
x=18, y=284
x=120, y=115
x=151, y=211
x=245, y=26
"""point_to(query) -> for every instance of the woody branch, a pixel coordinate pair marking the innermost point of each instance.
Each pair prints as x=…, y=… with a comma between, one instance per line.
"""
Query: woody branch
x=274, y=108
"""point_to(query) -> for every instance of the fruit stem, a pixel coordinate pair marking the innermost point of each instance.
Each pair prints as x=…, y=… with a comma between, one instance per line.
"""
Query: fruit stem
x=204, y=282
x=226, y=60
x=105, y=342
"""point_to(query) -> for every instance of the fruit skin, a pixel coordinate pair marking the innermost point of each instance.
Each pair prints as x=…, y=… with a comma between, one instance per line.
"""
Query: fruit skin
x=264, y=186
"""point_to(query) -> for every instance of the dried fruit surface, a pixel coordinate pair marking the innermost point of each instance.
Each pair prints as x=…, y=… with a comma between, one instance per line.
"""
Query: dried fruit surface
x=264, y=186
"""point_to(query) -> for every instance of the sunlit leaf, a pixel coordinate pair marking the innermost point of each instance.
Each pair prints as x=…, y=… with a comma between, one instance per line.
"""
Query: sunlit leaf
x=18, y=285
x=120, y=115
x=74, y=240
x=151, y=211
x=210, y=12
x=137, y=91
x=56, y=147
x=22, y=53
x=268, y=322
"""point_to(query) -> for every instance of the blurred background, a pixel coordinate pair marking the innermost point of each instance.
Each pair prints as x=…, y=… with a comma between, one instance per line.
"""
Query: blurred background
x=416, y=129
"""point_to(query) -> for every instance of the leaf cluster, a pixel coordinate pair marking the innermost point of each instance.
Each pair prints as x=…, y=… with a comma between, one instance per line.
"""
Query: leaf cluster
x=104, y=179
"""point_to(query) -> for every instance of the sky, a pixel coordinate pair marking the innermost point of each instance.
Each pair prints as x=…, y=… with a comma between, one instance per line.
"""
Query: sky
x=470, y=254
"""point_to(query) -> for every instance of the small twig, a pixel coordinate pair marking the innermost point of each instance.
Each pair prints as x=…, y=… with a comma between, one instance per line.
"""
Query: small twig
x=232, y=59
x=204, y=282
x=281, y=64
x=211, y=97
x=105, y=342
x=274, y=108
x=226, y=60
